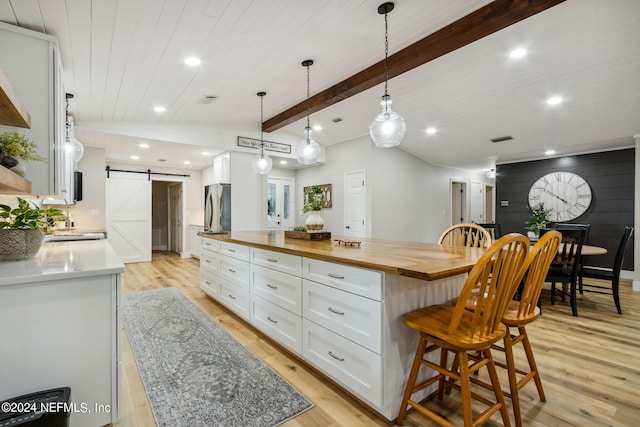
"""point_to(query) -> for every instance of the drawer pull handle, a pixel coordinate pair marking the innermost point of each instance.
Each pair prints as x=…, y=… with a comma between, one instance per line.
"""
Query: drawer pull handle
x=207, y=282
x=269, y=285
x=331, y=309
x=335, y=276
x=231, y=250
x=271, y=320
x=208, y=260
x=233, y=271
x=339, y=359
x=207, y=244
x=272, y=260
x=231, y=296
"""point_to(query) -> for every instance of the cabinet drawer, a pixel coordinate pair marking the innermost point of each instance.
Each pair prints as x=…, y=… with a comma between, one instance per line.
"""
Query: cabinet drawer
x=281, y=289
x=360, y=281
x=207, y=244
x=356, y=368
x=234, y=271
x=234, y=297
x=209, y=261
x=209, y=284
x=286, y=263
x=280, y=324
x=234, y=250
x=351, y=316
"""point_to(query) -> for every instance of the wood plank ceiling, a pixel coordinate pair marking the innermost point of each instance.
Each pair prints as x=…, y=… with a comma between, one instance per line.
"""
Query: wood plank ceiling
x=122, y=57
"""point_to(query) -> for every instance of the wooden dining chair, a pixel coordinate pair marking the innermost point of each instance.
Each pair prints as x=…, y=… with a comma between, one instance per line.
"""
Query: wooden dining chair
x=609, y=274
x=565, y=267
x=463, y=332
x=466, y=235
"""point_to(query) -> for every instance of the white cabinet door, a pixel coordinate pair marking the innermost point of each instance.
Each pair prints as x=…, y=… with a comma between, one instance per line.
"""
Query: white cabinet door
x=222, y=169
x=194, y=240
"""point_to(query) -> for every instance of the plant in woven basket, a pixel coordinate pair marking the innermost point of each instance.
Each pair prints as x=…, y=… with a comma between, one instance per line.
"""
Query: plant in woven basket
x=28, y=217
x=22, y=229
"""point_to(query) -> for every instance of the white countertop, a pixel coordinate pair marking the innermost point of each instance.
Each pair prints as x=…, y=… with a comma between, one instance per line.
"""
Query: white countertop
x=63, y=260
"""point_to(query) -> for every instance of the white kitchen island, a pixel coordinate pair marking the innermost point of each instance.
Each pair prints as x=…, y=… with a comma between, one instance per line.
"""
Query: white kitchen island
x=60, y=326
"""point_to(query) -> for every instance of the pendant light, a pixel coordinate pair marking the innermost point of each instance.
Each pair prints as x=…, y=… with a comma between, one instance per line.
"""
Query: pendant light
x=74, y=150
x=387, y=129
x=307, y=150
x=262, y=163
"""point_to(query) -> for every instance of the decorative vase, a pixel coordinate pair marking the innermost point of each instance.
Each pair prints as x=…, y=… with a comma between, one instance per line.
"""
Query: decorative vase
x=19, y=244
x=314, y=222
x=19, y=168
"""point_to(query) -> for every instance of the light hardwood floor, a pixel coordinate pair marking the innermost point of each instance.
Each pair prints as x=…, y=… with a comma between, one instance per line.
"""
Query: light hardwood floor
x=590, y=365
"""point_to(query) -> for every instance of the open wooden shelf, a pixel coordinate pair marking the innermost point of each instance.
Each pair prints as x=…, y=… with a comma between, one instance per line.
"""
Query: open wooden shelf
x=11, y=182
x=12, y=112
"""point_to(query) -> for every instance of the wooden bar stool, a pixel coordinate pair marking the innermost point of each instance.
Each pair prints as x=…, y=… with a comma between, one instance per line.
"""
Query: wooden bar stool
x=461, y=331
x=521, y=313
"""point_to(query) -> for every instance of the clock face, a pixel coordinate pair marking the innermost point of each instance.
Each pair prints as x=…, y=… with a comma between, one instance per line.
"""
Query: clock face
x=567, y=195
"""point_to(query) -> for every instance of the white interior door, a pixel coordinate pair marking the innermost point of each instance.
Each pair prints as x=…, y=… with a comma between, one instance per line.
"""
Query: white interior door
x=175, y=217
x=128, y=215
x=354, y=203
x=476, y=196
x=280, y=205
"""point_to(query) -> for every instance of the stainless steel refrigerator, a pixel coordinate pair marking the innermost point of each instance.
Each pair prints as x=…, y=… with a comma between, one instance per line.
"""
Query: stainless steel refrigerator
x=217, y=208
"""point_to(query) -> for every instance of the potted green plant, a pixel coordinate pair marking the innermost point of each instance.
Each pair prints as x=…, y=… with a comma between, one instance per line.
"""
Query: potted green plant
x=22, y=229
x=539, y=218
x=14, y=148
x=314, y=200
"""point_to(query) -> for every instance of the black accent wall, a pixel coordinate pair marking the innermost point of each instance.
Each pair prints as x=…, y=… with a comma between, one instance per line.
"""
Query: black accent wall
x=611, y=177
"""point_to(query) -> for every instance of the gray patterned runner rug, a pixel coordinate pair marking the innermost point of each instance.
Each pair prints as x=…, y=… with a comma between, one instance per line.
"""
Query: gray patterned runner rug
x=195, y=373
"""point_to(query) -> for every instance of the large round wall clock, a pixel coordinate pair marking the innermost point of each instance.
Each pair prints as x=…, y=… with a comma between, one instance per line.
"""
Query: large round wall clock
x=567, y=195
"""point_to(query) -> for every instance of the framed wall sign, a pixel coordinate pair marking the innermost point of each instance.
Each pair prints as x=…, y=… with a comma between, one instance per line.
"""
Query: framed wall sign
x=269, y=146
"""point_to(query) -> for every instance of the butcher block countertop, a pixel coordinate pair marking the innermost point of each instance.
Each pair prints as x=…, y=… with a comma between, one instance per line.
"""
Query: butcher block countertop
x=426, y=261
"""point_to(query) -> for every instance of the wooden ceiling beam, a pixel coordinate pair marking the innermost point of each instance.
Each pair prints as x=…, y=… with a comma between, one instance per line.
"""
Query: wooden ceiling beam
x=485, y=21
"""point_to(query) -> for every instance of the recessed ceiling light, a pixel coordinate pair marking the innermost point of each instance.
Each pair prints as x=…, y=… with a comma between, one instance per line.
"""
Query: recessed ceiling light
x=134, y=157
x=159, y=109
x=518, y=53
x=192, y=61
x=555, y=100
x=283, y=162
x=205, y=153
x=432, y=131
x=187, y=162
x=317, y=127
x=143, y=145
x=550, y=152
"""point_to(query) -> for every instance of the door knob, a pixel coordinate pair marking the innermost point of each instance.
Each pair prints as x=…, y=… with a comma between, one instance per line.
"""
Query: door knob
x=347, y=227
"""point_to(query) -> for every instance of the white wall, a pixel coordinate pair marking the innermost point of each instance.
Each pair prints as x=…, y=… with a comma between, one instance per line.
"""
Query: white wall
x=89, y=213
x=407, y=198
x=248, y=192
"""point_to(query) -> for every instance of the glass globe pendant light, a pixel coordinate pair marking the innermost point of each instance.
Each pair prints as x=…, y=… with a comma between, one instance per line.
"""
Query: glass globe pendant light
x=262, y=163
x=307, y=150
x=74, y=150
x=387, y=129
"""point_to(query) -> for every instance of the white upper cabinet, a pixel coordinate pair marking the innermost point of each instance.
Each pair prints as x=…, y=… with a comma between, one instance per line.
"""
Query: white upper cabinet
x=221, y=169
x=31, y=62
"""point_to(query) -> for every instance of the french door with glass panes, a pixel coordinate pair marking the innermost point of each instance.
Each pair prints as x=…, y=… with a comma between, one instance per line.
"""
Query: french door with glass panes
x=280, y=206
